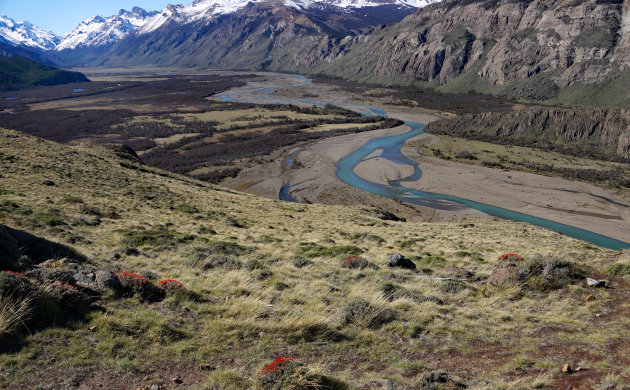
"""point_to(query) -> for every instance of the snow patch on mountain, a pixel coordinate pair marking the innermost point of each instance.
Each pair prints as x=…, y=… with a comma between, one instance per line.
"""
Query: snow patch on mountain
x=26, y=34
x=100, y=31
x=207, y=9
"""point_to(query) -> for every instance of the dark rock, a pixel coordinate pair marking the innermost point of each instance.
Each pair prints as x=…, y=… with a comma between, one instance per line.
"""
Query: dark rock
x=400, y=261
x=132, y=252
x=48, y=183
x=438, y=380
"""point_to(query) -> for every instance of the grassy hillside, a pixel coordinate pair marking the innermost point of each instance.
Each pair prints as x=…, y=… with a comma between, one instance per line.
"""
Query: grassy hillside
x=20, y=73
x=264, y=279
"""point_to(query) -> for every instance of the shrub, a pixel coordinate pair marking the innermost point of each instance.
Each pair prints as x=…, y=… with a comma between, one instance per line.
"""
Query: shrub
x=69, y=302
x=139, y=286
x=14, y=313
x=16, y=286
x=439, y=380
x=301, y=263
x=545, y=275
x=313, y=250
x=618, y=269
x=511, y=257
x=361, y=312
x=227, y=262
x=357, y=263
x=391, y=292
x=287, y=374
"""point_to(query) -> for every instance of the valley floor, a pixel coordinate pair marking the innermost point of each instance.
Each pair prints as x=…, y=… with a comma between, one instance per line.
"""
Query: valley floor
x=312, y=173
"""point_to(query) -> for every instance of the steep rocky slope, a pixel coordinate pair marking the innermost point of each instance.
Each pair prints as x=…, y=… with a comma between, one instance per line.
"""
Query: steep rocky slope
x=524, y=49
x=599, y=133
x=255, y=37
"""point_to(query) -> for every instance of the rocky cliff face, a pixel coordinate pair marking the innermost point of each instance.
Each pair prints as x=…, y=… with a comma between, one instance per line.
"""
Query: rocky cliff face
x=602, y=133
x=497, y=43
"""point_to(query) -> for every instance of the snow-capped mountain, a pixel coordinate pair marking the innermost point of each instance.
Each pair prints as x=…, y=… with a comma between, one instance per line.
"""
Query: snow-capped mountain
x=99, y=31
x=26, y=34
x=102, y=31
x=207, y=9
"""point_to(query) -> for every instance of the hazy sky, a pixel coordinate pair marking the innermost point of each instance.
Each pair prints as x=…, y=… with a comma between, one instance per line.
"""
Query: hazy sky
x=62, y=16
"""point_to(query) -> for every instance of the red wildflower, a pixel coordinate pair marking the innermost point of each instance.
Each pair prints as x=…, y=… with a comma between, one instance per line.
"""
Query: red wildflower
x=15, y=273
x=275, y=365
x=511, y=256
x=65, y=286
x=169, y=282
x=350, y=259
x=130, y=275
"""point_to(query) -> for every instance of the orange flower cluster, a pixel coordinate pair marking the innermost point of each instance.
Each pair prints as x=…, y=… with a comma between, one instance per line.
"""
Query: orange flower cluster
x=166, y=282
x=513, y=256
x=275, y=365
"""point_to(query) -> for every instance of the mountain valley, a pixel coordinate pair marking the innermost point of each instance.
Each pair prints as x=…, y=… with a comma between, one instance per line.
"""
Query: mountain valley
x=334, y=195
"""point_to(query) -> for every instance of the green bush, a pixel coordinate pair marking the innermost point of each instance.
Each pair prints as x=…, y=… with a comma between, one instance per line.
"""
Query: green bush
x=546, y=275
x=619, y=269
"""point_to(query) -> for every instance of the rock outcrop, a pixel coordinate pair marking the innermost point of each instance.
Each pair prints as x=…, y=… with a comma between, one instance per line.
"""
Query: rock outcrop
x=599, y=133
x=554, y=43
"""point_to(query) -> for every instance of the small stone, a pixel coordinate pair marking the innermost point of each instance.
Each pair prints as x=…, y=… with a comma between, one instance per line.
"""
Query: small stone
x=177, y=380
x=48, y=183
x=154, y=387
x=580, y=369
x=567, y=369
x=52, y=360
x=146, y=378
x=590, y=298
x=92, y=328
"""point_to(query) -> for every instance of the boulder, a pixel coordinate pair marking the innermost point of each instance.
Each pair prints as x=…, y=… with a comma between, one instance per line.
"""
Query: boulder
x=400, y=261
x=97, y=279
x=504, y=273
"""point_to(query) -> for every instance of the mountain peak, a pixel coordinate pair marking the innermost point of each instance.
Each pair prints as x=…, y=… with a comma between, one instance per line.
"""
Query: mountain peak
x=26, y=34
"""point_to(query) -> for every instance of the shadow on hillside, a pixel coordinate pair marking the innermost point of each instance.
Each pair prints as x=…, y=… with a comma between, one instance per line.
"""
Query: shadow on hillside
x=40, y=249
